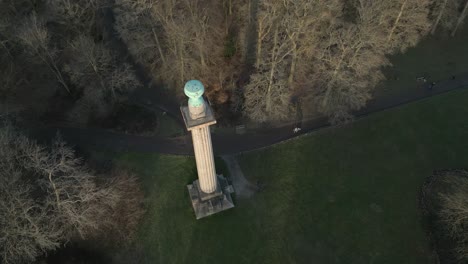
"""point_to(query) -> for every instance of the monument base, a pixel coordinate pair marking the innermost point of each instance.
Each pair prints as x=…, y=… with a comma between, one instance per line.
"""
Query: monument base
x=207, y=204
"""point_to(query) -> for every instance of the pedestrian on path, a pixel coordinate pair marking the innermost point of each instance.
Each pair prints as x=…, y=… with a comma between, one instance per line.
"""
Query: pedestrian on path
x=421, y=79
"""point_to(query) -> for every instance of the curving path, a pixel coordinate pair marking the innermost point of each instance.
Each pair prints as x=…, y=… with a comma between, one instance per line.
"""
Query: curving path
x=226, y=144
x=154, y=97
x=243, y=188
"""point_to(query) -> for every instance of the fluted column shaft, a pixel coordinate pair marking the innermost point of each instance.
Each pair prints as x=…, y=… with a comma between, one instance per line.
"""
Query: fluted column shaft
x=204, y=158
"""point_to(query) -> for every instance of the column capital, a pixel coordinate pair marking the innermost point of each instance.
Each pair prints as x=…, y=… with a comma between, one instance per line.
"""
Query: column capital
x=194, y=90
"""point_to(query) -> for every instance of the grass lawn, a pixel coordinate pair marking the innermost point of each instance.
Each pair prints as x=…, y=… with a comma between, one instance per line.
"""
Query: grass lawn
x=341, y=195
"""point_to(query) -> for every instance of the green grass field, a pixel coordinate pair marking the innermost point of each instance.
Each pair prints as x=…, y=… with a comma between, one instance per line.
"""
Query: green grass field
x=341, y=195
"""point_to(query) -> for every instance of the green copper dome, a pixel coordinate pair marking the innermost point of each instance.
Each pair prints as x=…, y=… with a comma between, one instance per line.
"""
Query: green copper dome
x=194, y=90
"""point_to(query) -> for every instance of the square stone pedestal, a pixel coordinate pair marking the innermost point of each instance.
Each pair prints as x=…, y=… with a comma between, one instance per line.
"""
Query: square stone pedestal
x=205, y=204
x=191, y=124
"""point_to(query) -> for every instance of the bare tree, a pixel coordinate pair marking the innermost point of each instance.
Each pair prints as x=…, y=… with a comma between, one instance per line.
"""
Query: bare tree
x=35, y=36
x=304, y=23
x=179, y=40
x=267, y=94
x=288, y=34
x=142, y=31
x=454, y=210
x=276, y=106
x=347, y=66
x=78, y=16
x=91, y=62
x=5, y=31
x=49, y=197
x=78, y=203
x=444, y=13
x=25, y=231
x=121, y=81
x=346, y=72
x=265, y=20
x=406, y=22
x=298, y=44
x=103, y=82
x=460, y=19
x=195, y=38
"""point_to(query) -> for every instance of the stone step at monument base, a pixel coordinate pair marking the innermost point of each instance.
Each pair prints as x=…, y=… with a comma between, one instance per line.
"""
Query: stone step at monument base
x=205, y=204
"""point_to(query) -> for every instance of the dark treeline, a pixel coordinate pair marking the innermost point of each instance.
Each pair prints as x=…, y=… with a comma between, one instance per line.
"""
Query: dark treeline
x=55, y=62
x=259, y=56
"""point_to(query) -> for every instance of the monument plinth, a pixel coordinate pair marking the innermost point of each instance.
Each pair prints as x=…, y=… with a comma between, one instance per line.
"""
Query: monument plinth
x=211, y=193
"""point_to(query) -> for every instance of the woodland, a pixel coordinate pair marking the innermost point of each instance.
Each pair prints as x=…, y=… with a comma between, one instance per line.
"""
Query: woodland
x=263, y=57
x=257, y=59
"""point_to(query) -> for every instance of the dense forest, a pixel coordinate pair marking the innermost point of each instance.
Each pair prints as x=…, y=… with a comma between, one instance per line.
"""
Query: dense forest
x=257, y=59
x=261, y=57
x=56, y=62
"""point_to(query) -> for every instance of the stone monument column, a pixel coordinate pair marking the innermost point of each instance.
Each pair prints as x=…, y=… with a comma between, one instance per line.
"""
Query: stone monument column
x=201, y=138
x=211, y=193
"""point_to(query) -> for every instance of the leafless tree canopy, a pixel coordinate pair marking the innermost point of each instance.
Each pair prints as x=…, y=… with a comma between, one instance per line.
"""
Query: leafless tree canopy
x=96, y=73
x=444, y=14
x=328, y=52
x=53, y=56
x=180, y=40
x=47, y=197
x=255, y=56
x=454, y=210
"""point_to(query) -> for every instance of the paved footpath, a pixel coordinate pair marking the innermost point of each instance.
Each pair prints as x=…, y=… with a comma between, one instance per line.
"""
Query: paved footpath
x=231, y=143
x=153, y=97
